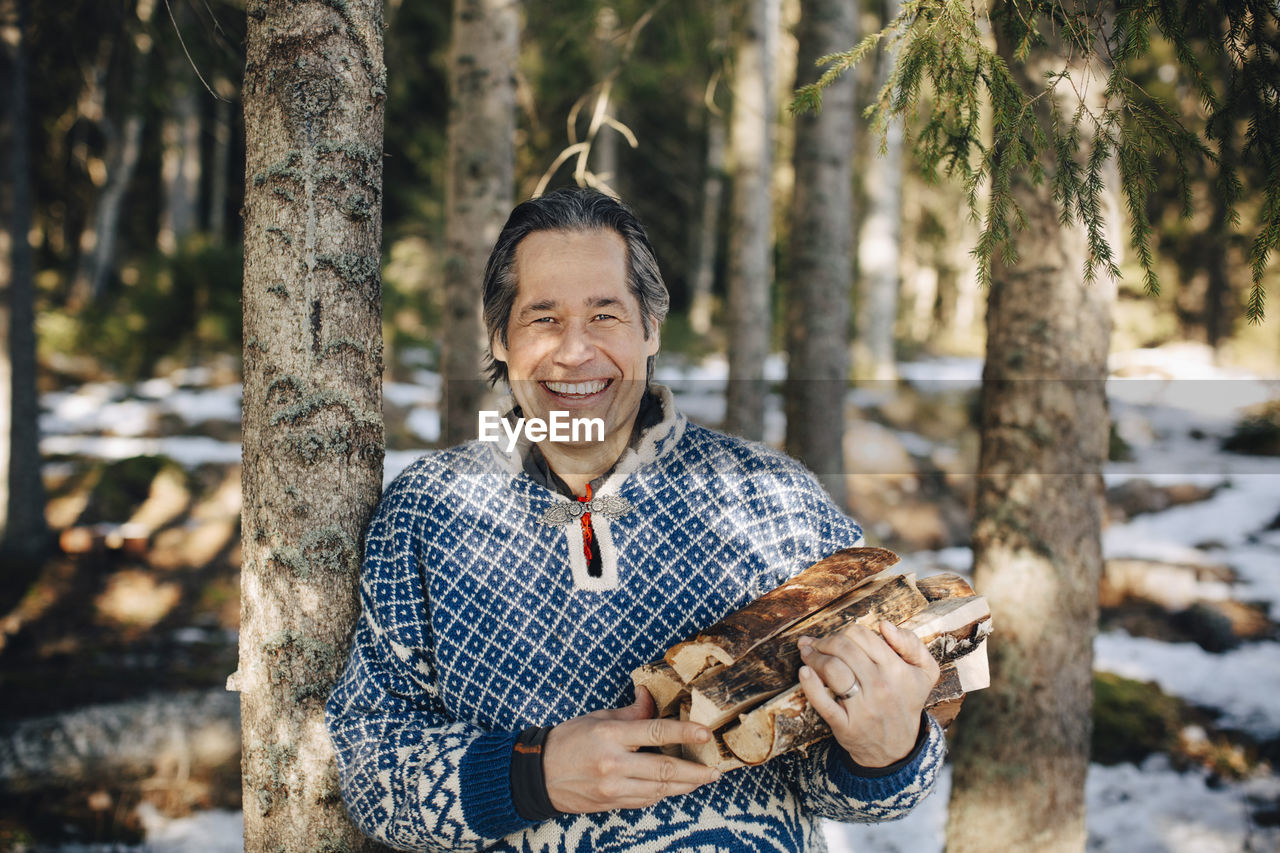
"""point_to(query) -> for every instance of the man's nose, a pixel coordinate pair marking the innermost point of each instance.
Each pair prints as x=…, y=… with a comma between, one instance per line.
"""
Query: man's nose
x=575, y=346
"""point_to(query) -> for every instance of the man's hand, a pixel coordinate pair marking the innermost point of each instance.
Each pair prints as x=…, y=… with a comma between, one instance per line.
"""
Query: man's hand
x=592, y=763
x=880, y=681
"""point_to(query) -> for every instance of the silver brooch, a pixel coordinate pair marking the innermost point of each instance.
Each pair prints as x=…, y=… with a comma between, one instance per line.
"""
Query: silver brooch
x=563, y=512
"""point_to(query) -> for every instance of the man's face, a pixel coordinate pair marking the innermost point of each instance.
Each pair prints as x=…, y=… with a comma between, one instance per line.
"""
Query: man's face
x=575, y=337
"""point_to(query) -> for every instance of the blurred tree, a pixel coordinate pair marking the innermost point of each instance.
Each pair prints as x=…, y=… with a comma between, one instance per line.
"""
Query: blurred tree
x=820, y=273
x=879, y=245
x=24, y=535
x=750, y=260
x=114, y=174
x=704, y=271
x=314, y=90
x=482, y=126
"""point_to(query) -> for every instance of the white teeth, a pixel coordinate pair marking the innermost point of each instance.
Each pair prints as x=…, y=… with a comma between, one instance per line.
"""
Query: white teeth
x=577, y=389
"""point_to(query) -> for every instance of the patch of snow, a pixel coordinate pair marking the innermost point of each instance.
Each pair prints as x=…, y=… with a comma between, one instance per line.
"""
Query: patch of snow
x=1156, y=809
x=203, y=832
x=1239, y=683
x=407, y=394
x=424, y=423
x=943, y=374
x=190, y=451
x=195, y=406
x=1247, y=505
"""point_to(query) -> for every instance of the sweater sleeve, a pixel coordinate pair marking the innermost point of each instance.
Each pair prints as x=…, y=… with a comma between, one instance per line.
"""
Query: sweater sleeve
x=828, y=787
x=411, y=776
x=823, y=778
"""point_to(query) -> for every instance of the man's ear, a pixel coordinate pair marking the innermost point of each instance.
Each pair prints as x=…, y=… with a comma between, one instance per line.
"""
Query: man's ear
x=498, y=349
x=654, y=342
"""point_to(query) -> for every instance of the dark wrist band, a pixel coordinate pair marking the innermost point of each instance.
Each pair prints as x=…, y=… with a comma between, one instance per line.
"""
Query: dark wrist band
x=528, y=784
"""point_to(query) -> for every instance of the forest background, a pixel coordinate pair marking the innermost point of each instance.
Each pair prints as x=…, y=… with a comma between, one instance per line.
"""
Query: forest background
x=136, y=182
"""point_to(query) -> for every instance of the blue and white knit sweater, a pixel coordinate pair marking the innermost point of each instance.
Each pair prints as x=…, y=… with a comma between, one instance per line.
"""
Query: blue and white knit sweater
x=481, y=620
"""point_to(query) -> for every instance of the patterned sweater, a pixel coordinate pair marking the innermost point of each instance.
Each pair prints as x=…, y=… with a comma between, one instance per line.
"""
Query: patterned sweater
x=480, y=619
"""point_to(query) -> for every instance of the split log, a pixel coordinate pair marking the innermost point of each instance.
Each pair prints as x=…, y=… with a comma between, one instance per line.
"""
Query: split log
x=721, y=693
x=787, y=721
x=663, y=684
x=945, y=585
x=813, y=589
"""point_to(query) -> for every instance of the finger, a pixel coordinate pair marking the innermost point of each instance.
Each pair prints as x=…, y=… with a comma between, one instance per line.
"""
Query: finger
x=661, y=732
x=669, y=770
x=816, y=692
x=908, y=646
x=872, y=644
x=643, y=708
x=839, y=661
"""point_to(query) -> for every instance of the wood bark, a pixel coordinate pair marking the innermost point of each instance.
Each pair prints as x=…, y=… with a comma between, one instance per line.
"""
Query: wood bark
x=719, y=694
x=751, y=226
x=24, y=535
x=821, y=268
x=478, y=194
x=879, y=244
x=1021, y=754
x=817, y=586
x=313, y=442
x=787, y=721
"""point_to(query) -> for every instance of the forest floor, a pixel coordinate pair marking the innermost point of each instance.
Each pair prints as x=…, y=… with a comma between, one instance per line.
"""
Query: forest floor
x=125, y=739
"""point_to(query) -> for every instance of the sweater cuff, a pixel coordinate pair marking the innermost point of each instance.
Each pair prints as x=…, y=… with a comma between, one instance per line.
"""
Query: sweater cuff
x=485, y=779
x=879, y=782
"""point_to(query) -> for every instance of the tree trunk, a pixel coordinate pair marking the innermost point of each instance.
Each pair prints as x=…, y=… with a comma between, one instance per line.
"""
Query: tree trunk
x=879, y=245
x=821, y=253
x=482, y=125
x=1022, y=750
x=704, y=272
x=180, y=154
x=24, y=535
x=751, y=241
x=220, y=163
x=124, y=151
x=314, y=90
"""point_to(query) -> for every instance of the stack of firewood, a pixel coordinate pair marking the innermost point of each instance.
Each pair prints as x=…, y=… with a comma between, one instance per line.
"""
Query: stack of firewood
x=740, y=677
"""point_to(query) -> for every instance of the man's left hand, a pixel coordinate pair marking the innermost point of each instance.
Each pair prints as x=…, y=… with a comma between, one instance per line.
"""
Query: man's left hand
x=880, y=681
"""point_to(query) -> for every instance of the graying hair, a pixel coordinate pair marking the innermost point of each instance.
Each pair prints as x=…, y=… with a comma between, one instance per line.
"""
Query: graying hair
x=569, y=209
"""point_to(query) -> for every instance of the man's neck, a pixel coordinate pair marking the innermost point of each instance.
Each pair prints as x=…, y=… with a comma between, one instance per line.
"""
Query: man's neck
x=578, y=465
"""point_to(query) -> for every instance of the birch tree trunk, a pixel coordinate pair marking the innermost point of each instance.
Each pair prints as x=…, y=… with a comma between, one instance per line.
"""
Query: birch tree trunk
x=880, y=243
x=482, y=126
x=124, y=151
x=1022, y=747
x=751, y=226
x=821, y=252
x=313, y=95
x=24, y=535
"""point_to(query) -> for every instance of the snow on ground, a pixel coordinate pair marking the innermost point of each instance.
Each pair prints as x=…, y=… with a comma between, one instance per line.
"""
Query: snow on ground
x=1172, y=406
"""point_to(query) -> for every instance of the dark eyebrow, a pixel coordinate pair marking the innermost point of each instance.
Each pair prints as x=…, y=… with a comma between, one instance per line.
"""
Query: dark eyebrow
x=605, y=302
x=540, y=305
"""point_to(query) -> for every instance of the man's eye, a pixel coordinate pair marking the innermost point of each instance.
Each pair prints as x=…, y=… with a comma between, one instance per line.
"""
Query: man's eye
x=545, y=320
x=605, y=317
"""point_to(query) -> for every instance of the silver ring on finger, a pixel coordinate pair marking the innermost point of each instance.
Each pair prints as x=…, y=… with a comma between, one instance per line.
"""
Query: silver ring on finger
x=851, y=692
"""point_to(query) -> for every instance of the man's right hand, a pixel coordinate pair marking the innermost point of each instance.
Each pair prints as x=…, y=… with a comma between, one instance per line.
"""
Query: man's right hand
x=593, y=763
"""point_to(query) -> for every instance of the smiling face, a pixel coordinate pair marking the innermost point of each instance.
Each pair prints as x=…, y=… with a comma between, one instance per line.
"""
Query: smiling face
x=575, y=337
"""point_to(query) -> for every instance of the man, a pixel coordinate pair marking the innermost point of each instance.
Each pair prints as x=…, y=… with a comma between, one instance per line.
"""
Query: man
x=508, y=594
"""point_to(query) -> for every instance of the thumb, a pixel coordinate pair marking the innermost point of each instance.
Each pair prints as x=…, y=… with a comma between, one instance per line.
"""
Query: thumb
x=908, y=646
x=643, y=708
